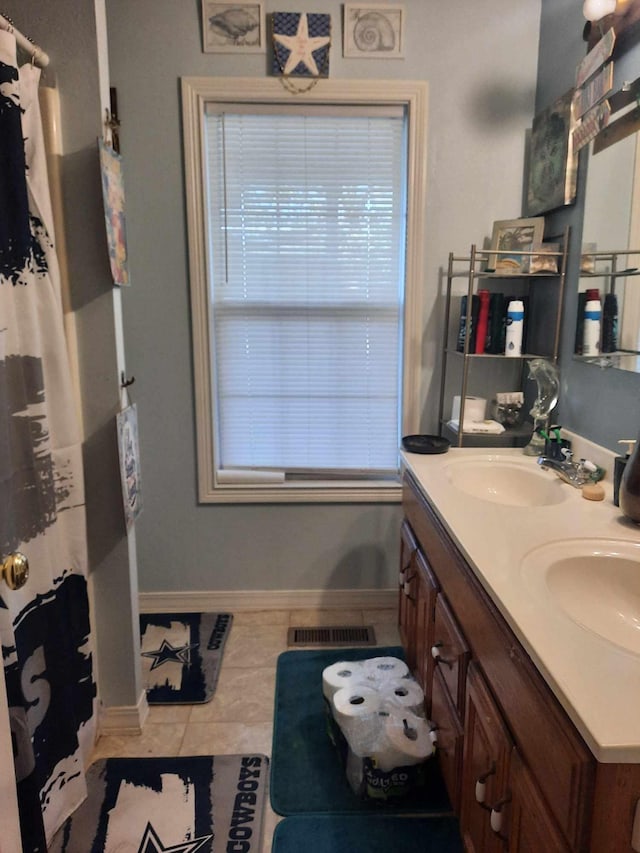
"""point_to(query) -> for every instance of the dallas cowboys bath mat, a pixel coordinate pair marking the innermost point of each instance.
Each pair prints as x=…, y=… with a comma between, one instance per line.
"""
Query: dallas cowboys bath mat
x=182, y=655
x=210, y=804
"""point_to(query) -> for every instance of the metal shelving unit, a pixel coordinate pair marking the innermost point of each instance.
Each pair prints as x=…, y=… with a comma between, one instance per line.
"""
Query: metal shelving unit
x=544, y=327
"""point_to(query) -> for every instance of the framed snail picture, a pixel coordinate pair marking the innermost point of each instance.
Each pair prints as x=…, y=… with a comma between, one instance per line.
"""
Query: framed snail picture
x=374, y=31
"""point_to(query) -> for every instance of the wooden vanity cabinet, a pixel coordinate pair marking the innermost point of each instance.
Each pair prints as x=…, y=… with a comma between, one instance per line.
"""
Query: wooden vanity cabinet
x=543, y=782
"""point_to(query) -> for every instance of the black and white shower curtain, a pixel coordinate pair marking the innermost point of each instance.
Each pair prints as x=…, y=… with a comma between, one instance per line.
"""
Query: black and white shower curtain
x=44, y=626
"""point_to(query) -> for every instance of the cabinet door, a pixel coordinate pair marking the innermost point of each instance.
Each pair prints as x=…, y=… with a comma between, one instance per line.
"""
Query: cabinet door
x=448, y=733
x=426, y=592
x=449, y=653
x=487, y=749
x=532, y=827
x=407, y=594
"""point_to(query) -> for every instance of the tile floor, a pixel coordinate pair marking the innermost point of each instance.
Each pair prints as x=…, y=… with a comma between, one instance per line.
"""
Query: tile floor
x=239, y=717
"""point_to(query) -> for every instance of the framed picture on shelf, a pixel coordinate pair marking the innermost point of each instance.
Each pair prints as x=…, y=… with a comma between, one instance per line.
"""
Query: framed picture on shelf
x=233, y=27
x=373, y=31
x=553, y=165
x=510, y=238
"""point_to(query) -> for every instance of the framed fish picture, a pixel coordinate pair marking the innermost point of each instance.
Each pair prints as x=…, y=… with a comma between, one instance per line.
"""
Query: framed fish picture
x=233, y=27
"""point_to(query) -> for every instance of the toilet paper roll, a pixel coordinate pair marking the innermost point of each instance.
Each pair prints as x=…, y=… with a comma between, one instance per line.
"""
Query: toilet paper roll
x=475, y=408
x=339, y=675
x=384, y=669
x=402, y=693
x=355, y=710
x=406, y=741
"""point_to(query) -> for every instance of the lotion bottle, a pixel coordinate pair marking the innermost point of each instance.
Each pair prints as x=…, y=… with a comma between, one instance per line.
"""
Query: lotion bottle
x=630, y=486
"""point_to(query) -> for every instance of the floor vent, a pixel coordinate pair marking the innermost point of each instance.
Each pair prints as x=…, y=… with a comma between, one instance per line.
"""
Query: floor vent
x=340, y=635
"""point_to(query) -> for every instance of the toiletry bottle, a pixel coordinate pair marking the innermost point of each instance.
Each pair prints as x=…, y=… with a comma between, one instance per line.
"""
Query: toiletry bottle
x=630, y=486
x=619, y=464
x=483, y=319
x=592, y=316
x=515, y=323
x=610, y=323
x=462, y=328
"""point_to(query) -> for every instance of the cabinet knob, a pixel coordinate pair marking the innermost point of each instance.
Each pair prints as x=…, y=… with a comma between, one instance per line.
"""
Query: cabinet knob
x=496, y=820
x=481, y=784
x=435, y=654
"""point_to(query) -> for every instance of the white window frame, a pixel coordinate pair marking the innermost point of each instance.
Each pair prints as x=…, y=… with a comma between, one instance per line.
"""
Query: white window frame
x=196, y=92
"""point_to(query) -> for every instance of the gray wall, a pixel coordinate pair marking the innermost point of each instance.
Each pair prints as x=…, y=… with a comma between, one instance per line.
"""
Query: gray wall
x=480, y=60
x=603, y=405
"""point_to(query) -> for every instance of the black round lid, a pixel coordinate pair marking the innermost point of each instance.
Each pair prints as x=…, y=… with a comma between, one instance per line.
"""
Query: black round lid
x=425, y=444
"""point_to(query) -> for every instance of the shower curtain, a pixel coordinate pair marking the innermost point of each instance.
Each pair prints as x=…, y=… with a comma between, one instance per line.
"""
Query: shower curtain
x=45, y=625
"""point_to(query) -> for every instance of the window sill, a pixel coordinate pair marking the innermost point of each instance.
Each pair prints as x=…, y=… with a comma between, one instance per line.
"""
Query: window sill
x=316, y=492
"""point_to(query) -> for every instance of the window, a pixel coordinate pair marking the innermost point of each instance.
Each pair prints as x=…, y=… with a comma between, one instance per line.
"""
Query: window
x=303, y=218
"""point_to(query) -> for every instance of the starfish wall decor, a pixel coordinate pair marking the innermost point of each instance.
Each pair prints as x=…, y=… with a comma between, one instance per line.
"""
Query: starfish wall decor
x=301, y=44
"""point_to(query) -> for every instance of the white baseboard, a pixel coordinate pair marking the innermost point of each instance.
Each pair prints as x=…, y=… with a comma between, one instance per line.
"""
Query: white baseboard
x=229, y=601
x=123, y=719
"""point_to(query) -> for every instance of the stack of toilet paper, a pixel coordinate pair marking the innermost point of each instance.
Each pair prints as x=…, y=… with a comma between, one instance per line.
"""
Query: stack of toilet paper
x=379, y=709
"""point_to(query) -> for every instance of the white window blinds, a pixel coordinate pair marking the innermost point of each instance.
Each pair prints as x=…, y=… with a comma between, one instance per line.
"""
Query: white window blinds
x=306, y=238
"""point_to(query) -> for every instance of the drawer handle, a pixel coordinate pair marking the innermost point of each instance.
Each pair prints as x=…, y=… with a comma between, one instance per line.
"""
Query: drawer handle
x=435, y=654
x=406, y=588
x=496, y=817
x=481, y=784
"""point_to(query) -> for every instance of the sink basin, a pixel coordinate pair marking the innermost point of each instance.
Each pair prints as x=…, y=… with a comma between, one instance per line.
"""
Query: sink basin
x=595, y=582
x=507, y=480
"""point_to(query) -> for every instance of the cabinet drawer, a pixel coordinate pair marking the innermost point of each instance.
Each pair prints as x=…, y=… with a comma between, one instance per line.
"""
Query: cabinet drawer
x=450, y=653
x=449, y=738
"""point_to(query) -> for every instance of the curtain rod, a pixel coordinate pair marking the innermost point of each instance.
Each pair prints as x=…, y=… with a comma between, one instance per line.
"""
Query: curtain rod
x=37, y=53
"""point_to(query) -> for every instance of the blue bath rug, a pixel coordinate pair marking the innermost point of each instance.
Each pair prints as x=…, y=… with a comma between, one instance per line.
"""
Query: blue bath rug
x=182, y=655
x=210, y=804
x=369, y=833
x=307, y=774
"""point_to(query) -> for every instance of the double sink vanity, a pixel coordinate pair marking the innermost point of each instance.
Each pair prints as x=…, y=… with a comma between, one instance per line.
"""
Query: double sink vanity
x=520, y=616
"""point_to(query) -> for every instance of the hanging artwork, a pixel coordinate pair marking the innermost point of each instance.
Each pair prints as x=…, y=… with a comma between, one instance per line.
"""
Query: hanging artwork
x=373, y=31
x=129, y=454
x=113, y=199
x=301, y=42
x=553, y=163
x=232, y=27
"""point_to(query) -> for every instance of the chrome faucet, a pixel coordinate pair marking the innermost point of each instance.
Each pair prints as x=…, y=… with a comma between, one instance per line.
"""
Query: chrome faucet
x=574, y=473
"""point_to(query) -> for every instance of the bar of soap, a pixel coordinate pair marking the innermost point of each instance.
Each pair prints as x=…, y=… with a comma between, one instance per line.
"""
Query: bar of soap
x=593, y=492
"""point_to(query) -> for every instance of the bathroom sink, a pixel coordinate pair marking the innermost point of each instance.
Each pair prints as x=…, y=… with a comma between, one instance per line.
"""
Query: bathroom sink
x=506, y=480
x=595, y=582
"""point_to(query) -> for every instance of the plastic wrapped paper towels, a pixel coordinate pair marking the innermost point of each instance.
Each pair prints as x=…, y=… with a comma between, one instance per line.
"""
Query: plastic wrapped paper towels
x=379, y=711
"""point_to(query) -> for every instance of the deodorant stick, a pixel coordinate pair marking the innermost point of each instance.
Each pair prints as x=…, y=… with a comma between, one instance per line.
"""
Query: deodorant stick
x=515, y=323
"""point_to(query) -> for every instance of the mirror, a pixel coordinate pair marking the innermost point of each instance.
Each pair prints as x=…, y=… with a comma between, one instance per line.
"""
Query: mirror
x=610, y=261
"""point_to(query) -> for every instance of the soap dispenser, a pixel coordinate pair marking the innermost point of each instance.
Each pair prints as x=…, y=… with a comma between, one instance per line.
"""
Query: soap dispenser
x=630, y=486
x=619, y=464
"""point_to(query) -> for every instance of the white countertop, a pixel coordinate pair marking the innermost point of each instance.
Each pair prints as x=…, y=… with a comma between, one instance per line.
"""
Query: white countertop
x=597, y=682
